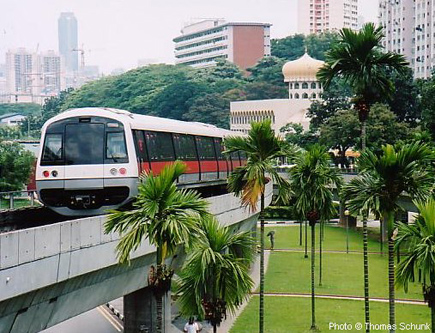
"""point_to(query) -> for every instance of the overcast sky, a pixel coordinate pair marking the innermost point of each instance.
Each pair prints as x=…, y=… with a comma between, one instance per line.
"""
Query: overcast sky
x=117, y=33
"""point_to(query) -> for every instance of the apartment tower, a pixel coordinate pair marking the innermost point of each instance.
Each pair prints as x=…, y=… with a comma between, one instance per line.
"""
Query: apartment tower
x=68, y=41
x=317, y=16
x=202, y=43
x=409, y=28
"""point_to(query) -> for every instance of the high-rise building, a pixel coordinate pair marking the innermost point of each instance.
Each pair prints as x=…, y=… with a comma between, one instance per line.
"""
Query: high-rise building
x=68, y=41
x=51, y=69
x=317, y=16
x=243, y=44
x=31, y=77
x=409, y=28
x=21, y=71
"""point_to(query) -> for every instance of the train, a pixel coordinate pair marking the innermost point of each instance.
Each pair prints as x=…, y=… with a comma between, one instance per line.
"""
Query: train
x=91, y=159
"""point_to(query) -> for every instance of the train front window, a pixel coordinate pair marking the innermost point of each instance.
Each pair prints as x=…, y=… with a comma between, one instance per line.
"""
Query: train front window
x=116, y=149
x=52, y=153
x=84, y=144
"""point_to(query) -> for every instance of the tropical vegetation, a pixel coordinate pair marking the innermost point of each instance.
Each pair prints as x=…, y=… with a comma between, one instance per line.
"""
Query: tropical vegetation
x=261, y=148
x=165, y=216
x=215, y=277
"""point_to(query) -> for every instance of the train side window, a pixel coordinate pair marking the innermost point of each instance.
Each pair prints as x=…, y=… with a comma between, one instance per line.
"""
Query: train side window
x=235, y=156
x=53, y=149
x=159, y=146
x=116, y=149
x=185, y=147
x=139, y=143
x=219, y=148
x=205, y=148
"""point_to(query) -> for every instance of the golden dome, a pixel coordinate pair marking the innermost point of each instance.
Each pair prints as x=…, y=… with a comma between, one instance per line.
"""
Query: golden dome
x=304, y=68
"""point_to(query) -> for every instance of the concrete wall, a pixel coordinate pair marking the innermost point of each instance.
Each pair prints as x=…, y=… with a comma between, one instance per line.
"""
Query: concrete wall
x=71, y=267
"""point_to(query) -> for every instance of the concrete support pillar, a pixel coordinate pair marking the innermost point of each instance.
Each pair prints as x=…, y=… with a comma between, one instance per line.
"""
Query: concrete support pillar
x=140, y=312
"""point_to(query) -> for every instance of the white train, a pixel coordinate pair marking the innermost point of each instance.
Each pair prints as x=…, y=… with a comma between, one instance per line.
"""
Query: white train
x=91, y=158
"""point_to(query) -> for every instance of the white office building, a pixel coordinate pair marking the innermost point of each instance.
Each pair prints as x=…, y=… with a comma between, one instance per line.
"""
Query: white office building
x=317, y=16
x=243, y=44
x=409, y=28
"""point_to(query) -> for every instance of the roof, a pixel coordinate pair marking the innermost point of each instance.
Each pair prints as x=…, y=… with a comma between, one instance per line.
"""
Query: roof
x=138, y=121
x=304, y=67
x=177, y=39
x=10, y=115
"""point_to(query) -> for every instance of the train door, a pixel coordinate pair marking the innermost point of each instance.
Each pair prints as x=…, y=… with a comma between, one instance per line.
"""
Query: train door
x=222, y=161
x=184, y=146
x=141, y=151
x=207, y=158
x=84, y=155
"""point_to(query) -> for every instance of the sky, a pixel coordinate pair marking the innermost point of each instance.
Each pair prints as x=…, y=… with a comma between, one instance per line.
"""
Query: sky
x=117, y=33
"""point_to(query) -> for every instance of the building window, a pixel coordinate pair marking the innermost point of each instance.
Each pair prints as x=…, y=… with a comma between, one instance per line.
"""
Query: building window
x=296, y=85
x=304, y=85
x=296, y=96
x=305, y=96
x=313, y=85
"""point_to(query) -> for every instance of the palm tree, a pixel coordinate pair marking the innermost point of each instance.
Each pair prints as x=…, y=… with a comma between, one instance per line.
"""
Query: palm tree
x=215, y=278
x=262, y=148
x=419, y=241
x=359, y=58
x=311, y=180
x=164, y=215
x=383, y=178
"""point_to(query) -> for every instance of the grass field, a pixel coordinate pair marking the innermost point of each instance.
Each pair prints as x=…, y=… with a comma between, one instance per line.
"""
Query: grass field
x=289, y=272
x=293, y=315
x=18, y=203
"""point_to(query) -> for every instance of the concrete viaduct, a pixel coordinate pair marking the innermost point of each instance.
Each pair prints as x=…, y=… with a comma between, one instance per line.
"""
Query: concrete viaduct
x=51, y=273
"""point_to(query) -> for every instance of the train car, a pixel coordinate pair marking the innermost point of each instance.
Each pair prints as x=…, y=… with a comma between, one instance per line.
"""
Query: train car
x=91, y=158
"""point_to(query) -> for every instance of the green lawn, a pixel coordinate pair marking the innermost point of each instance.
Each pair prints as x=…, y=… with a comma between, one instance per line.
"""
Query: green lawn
x=289, y=272
x=335, y=238
x=293, y=315
x=18, y=203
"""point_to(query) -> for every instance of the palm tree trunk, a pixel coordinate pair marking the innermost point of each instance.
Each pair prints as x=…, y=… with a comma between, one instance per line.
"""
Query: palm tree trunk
x=159, y=296
x=214, y=328
x=366, y=275
x=391, y=282
x=365, y=243
x=306, y=239
x=432, y=311
x=320, y=254
x=262, y=265
x=300, y=233
x=313, y=306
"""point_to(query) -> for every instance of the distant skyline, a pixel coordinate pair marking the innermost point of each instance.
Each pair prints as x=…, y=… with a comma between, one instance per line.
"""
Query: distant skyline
x=118, y=33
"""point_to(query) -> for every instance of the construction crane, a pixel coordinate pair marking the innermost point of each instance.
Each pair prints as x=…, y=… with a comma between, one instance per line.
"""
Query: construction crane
x=82, y=56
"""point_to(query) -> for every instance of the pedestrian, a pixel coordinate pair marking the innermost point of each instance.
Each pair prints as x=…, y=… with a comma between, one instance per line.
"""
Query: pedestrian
x=191, y=326
x=271, y=235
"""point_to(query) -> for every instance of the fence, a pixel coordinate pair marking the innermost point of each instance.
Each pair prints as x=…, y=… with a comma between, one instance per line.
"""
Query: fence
x=17, y=199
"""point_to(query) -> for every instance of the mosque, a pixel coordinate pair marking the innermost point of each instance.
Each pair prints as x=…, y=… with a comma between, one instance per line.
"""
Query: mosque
x=303, y=87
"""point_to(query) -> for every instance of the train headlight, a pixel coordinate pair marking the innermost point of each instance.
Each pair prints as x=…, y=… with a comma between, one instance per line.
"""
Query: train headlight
x=113, y=171
x=123, y=171
x=54, y=173
x=46, y=174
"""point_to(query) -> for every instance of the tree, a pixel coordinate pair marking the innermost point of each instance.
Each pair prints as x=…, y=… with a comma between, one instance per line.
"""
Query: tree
x=383, y=178
x=210, y=109
x=25, y=109
x=15, y=166
x=310, y=180
x=405, y=101
x=334, y=99
x=268, y=70
x=318, y=44
x=295, y=134
x=359, y=59
x=262, y=148
x=263, y=90
x=341, y=131
x=215, y=277
x=428, y=105
x=166, y=216
x=419, y=241
x=288, y=48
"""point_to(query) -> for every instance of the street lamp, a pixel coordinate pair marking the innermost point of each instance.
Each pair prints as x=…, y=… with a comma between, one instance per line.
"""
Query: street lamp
x=347, y=213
